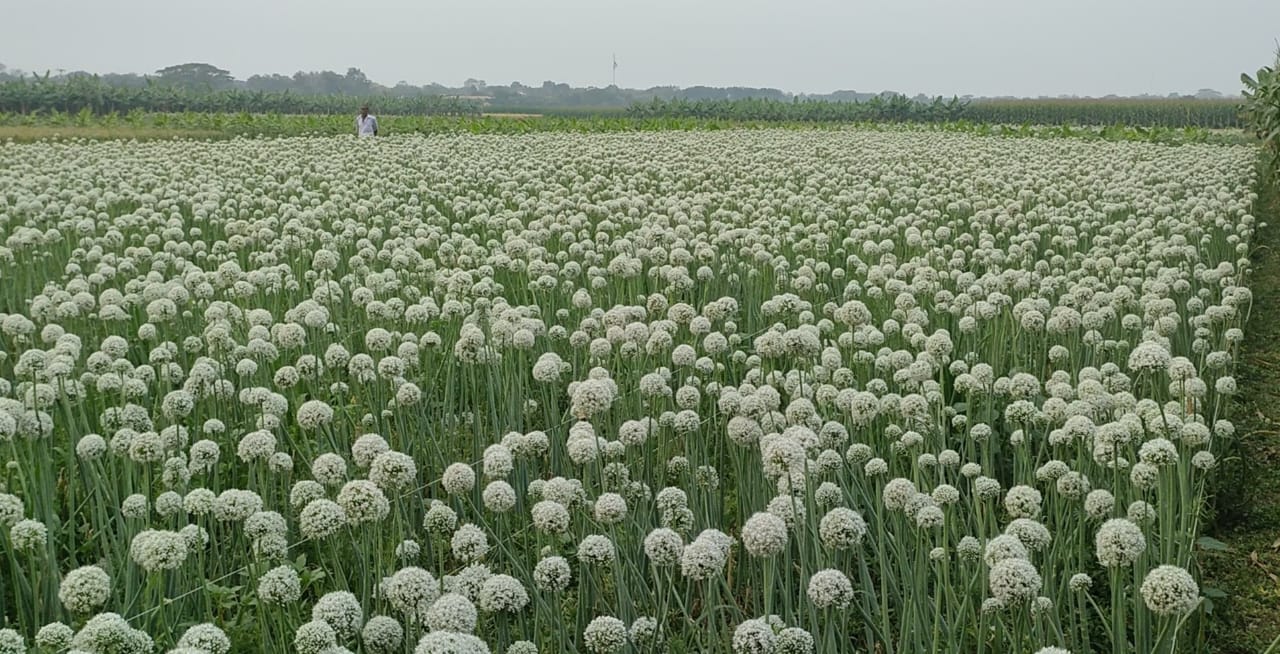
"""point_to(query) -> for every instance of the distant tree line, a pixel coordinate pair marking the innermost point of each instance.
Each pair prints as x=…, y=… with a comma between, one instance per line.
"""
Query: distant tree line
x=204, y=88
x=93, y=96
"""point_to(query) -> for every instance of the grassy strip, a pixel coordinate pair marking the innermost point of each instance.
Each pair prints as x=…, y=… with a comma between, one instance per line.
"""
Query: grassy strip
x=1247, y=620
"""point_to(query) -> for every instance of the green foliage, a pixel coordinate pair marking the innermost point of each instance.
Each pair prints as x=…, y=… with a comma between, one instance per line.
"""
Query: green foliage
x=1208, y=114
x=182, y=90
x=1262, y=106
x=897, y=108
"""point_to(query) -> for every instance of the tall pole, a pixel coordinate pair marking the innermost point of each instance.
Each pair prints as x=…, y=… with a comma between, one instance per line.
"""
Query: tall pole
x=615, y=69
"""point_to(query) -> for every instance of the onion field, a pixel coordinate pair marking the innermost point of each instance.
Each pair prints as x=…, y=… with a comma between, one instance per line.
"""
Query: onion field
x=747, y=391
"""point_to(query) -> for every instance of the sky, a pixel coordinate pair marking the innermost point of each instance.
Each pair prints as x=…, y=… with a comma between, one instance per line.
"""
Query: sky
x=935, y=47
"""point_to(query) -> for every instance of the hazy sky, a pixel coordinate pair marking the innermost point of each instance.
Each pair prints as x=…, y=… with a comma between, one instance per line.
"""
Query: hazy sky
x=980, y=47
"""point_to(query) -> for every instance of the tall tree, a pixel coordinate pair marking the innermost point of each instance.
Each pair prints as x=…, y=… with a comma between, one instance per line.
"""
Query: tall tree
x=196, y=75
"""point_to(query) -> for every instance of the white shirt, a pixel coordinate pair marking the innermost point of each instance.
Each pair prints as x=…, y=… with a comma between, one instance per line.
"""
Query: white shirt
x=366, y=125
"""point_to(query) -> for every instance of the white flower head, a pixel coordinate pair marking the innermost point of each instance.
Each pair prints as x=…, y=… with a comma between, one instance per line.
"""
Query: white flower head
x=1170, y=590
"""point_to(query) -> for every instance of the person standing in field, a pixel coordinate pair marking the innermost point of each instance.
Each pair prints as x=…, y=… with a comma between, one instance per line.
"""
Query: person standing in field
x=366, y=124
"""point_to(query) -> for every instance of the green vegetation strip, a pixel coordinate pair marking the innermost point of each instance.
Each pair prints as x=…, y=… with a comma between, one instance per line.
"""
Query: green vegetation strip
x=142, y=126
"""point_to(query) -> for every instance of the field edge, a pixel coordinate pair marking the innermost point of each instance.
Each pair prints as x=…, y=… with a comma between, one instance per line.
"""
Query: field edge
x=1247, y=620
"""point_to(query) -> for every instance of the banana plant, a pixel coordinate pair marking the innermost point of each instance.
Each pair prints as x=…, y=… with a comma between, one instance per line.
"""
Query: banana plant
x=1262, y=106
